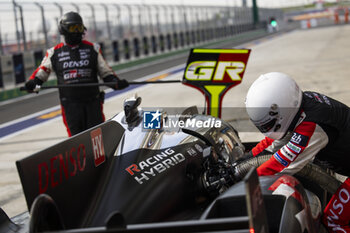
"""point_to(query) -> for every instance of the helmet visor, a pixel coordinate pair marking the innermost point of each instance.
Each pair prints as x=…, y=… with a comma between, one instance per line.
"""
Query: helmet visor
x=75, y=28
x=267, y=126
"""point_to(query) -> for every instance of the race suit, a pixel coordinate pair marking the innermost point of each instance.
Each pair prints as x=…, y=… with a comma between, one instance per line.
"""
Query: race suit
x=81, y=107
x=322, y=132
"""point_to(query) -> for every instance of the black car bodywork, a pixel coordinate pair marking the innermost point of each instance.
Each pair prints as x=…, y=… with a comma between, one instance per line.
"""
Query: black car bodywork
x=119, y=177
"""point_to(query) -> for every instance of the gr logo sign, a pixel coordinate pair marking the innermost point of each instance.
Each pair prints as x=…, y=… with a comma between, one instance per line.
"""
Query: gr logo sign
x=214, y=70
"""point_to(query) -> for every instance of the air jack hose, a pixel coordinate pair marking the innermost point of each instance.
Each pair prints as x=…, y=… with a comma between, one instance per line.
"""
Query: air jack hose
x=311, y=172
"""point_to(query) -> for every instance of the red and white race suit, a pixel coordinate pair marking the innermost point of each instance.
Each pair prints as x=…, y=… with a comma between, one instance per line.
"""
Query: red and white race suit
x=322, y=132
x=78, y=64
x=82, y=108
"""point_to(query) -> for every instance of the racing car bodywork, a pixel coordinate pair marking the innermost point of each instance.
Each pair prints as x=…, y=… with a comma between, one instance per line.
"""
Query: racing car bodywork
x=120, y=177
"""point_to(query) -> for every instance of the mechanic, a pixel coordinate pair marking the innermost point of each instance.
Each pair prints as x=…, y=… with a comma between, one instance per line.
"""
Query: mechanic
x=76, y=61
x=301, y=127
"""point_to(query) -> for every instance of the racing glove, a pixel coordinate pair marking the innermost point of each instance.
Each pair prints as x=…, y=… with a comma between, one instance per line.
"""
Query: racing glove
x=121, y=83
x=33, y=85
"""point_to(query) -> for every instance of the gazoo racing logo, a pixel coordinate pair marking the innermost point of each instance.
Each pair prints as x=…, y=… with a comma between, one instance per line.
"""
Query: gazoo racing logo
x=154, y=165
x=215, y=66
x=214, y=71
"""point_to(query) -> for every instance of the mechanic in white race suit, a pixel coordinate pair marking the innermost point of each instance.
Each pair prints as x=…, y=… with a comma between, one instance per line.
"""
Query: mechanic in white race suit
x=76, y=61
x=301, y=127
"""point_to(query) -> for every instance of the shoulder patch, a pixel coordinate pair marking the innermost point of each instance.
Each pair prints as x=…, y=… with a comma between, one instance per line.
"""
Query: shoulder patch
x=299, y=139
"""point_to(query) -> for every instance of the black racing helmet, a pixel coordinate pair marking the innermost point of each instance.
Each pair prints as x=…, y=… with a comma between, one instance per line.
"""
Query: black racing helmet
x=70, y=23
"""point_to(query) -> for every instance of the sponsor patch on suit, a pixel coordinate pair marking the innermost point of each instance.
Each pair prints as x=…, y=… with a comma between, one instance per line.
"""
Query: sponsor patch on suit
x=299, y=139
x=288, y=154
x=280, y=159
x=293, y=147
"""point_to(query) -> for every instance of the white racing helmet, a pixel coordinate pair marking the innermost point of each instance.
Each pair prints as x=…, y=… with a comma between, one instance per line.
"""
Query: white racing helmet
x=272, y=102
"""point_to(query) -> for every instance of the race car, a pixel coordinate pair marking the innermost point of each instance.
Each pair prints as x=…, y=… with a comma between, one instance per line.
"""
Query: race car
x=138, y=173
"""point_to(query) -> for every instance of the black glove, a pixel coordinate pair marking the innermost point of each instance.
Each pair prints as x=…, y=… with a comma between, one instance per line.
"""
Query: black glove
x=122, y=83
x=32, y=84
